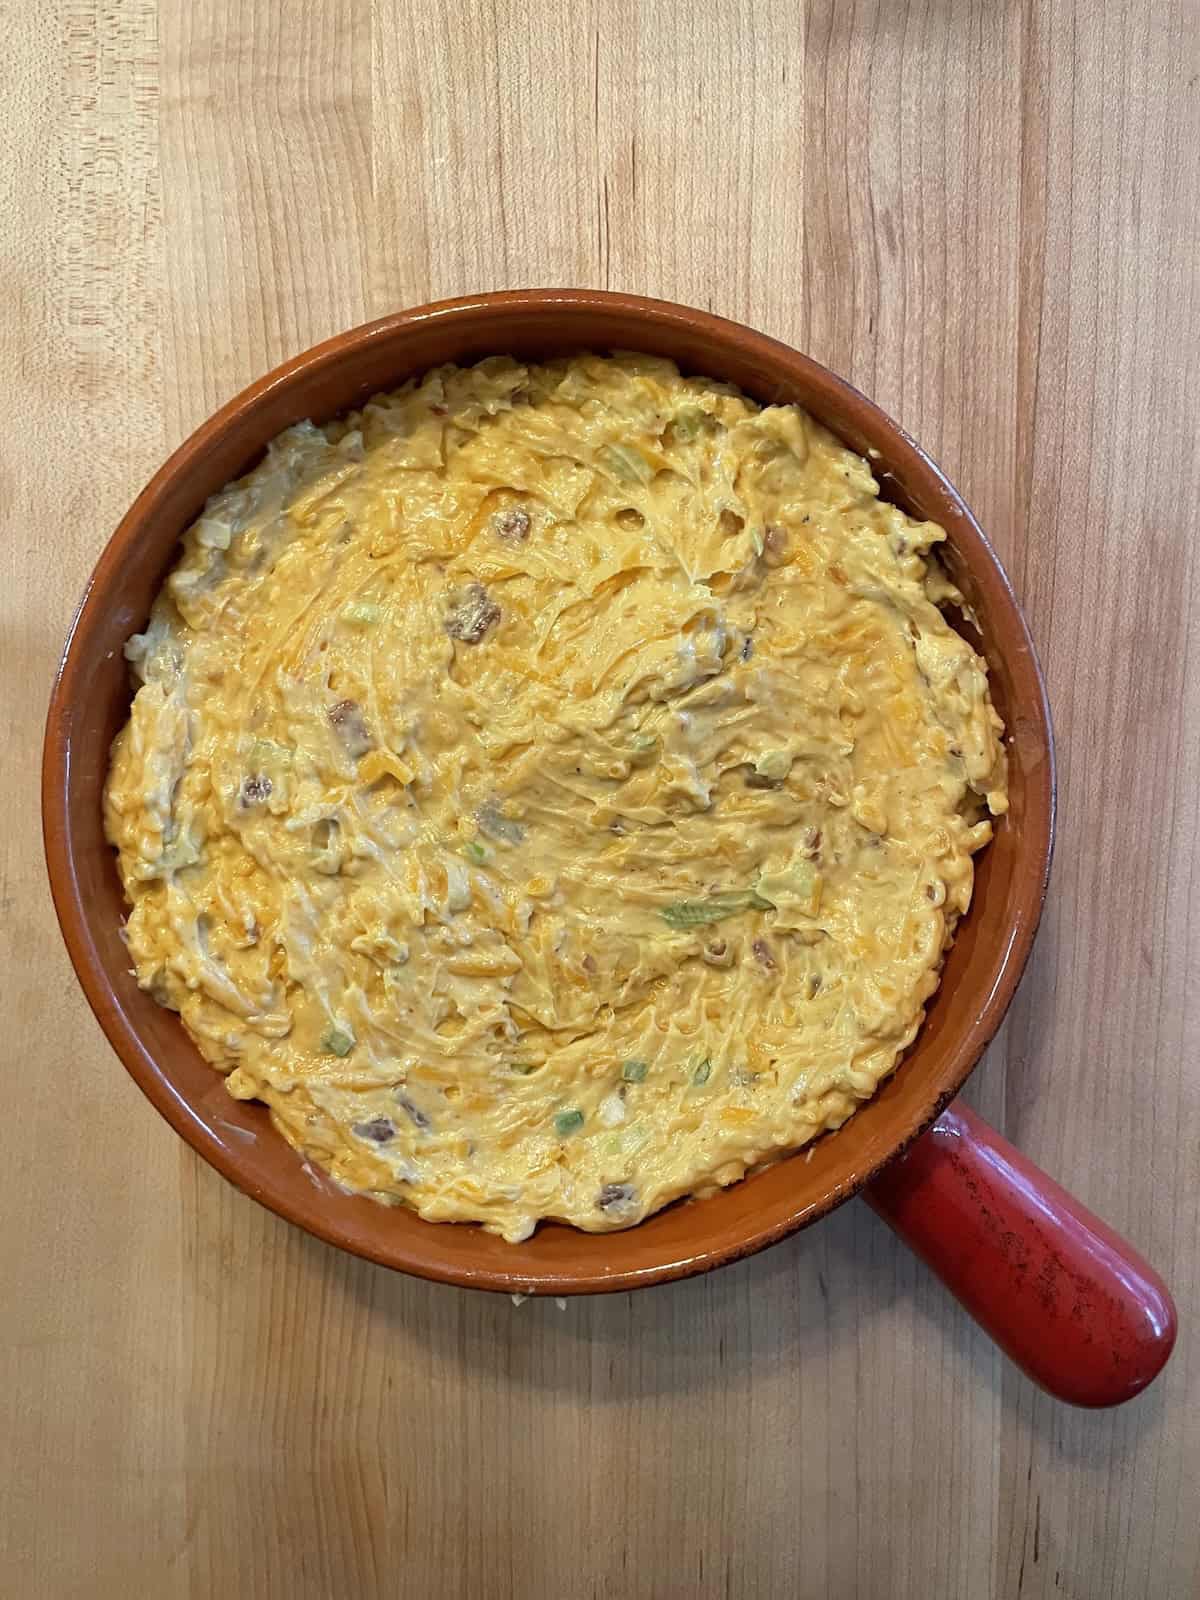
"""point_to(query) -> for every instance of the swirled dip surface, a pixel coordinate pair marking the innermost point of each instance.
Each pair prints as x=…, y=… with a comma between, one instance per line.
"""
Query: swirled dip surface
x=552, y=789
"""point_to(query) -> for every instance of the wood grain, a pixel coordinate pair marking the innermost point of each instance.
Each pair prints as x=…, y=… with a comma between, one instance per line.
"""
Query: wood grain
x=983, y=214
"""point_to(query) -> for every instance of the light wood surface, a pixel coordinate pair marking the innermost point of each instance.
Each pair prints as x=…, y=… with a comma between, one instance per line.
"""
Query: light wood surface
x=985, y=214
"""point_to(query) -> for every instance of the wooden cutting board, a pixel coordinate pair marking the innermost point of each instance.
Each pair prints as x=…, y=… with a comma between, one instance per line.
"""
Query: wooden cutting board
x=985, y=215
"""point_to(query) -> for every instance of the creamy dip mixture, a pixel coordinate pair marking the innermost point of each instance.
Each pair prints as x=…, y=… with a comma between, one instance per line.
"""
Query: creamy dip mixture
x=552, y=789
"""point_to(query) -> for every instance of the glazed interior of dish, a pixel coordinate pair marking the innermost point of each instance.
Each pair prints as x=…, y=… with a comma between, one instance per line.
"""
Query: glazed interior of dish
x=552, y=789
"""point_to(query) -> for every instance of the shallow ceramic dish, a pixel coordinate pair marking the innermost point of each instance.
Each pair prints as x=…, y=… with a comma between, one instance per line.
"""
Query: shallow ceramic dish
x=1062, y=1294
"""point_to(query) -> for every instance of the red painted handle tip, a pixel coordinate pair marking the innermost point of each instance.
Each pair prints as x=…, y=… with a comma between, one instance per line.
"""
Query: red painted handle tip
x=1064, y=1296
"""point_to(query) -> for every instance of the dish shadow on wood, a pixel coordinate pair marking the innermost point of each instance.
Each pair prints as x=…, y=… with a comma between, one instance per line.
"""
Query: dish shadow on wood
x=818, y=1289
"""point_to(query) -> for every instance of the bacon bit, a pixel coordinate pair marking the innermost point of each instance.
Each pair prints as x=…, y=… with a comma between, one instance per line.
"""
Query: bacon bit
x=347, y=718
x=810, y=845
x=763, y=955
x=512, y=524
x=616, y=1197
x=378, y=1131
x=472, y=612
x=255, y=790
x=419, y=1119
x=775, y=540
x=588, y=964
x=439, y=411
x=838, y=574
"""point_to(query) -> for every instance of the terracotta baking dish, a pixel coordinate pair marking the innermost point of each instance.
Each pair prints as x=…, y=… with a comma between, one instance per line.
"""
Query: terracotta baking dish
x=1067, y=1299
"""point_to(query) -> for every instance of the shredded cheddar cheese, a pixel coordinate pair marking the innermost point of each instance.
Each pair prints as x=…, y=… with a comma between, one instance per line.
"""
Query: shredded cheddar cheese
x=552, y=789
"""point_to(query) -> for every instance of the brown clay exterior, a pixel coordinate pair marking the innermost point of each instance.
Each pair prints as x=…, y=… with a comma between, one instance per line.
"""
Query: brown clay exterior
x=90, y=703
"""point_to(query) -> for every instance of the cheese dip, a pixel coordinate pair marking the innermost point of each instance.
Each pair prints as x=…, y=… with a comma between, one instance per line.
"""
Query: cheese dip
x=552, y=789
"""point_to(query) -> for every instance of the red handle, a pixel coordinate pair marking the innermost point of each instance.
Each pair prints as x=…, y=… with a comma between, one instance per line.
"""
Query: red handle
x=1072, y=1304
